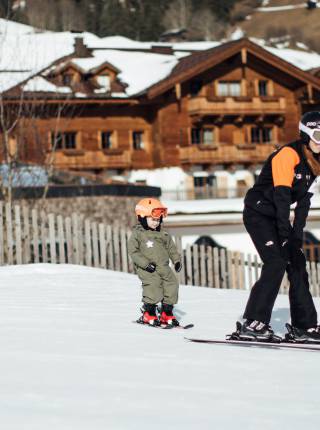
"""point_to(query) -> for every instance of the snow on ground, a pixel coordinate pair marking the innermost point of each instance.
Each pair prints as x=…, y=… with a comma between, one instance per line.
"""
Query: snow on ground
x=72, y=359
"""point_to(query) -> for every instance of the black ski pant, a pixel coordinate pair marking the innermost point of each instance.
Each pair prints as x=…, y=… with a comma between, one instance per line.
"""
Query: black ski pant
x=264, y=234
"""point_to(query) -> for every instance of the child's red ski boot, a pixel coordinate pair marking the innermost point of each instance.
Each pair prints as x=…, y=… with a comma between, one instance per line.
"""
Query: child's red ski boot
x=149, y=315
x=166, y=315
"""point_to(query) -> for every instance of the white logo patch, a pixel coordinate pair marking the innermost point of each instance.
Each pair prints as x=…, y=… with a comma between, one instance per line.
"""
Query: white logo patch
x=149, y=244
x=298, y=176
x=270, y=243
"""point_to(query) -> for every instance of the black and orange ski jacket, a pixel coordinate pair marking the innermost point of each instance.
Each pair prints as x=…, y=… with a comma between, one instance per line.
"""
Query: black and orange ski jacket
x=285, y=179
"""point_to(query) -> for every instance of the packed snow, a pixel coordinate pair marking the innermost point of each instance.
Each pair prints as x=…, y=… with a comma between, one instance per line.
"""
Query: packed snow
x=71, y=358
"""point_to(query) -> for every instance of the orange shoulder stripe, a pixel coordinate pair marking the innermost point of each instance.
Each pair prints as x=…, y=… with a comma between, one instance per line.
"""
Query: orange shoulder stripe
x=283, y=165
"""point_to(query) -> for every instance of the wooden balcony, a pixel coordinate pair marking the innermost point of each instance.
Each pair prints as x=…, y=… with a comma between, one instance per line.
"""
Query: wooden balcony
x=236, y=105
x=81, y=159
x=225, y=154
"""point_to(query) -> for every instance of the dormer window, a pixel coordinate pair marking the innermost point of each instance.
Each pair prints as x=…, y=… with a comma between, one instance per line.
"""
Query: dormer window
x=67, y=79
x=104, y=81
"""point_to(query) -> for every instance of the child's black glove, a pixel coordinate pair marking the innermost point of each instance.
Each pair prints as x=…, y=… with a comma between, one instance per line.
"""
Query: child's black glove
x=177, y=266
x=151, y=267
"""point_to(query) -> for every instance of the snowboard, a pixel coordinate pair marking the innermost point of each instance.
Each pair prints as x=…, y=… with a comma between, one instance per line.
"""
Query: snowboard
x=250, y=343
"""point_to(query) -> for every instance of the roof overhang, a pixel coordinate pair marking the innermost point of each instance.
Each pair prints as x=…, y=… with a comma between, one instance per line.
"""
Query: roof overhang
x=199, y=62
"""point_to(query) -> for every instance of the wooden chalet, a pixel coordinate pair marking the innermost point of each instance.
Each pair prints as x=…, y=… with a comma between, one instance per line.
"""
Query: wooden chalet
x=223, y=108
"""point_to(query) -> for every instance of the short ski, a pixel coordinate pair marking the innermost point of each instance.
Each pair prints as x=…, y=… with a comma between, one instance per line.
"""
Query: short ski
x=167, y=327
x=251, y=343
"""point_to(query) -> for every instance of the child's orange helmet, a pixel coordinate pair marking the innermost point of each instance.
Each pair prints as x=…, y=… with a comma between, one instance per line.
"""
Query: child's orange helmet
x=151, y=207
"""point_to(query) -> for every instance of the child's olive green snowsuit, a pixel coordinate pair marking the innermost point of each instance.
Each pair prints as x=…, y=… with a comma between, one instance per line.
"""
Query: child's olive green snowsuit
x=150, y=246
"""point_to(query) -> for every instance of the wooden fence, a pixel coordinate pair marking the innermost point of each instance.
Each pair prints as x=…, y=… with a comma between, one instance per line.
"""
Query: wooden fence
x=29, y=236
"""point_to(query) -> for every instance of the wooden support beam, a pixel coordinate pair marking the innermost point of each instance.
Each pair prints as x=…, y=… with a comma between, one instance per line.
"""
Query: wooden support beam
x=310, y=92
x=244, y=56
x=178, y=91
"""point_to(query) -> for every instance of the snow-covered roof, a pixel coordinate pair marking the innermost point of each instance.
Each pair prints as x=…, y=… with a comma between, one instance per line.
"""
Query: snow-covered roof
x=27, y=52
x=40, y=84
x=15, y=28
x=139, y=70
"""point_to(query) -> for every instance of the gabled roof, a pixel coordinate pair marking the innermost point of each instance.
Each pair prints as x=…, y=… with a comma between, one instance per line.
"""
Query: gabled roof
x=197, y=63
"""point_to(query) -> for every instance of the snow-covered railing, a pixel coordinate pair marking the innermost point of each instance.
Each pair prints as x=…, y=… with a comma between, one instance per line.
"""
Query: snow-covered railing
x=29, y=236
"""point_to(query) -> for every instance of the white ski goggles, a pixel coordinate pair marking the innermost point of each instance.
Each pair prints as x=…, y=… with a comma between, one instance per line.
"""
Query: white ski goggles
x=313, y=133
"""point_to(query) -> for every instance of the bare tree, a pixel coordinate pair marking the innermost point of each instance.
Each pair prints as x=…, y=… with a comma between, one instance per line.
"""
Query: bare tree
x=178, y=14
x=206, y=26
x=23, y=140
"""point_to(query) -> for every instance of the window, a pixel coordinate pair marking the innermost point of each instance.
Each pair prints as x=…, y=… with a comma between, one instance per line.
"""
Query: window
x=261, y=134
x=106, y=139
x=196, y=136
x=195, y=87
x=203, y=136
x=66, y=140
x=229, y=88
x=208, y=136
x=67, y=79
x=138, y=140
x=263, y=88
x=104, y=81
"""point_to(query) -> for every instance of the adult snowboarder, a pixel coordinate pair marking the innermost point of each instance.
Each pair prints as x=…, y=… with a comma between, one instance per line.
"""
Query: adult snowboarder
x=285, y=178
x=150, y=249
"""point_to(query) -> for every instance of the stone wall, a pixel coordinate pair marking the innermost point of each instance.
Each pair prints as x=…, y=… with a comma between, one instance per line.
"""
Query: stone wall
x=106, y=209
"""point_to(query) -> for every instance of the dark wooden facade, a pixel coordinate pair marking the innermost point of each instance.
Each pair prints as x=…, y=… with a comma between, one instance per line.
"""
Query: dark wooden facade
x=225, y=107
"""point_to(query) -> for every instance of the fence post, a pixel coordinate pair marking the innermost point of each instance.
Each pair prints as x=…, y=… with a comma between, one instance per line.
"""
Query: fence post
x=210, y=266
x=131, y=266
x=17, y=221
x=35, y=235
x=203, y=272
x=102, y=246
x=61, y=240
x=116, y=245
x=52, y=239
x=95, y=244
x=196, y=273
x=189, y=271
x=124, y=251
x=8, y=226
x=223, y=267
x=110, y=248
x=87, y=228
x=69, y=240
x=75, y=241
x=216, y=267
x=26, y=257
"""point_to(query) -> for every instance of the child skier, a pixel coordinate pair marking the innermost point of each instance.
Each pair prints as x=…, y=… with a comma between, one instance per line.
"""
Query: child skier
x=285, y=179
x=150, y=249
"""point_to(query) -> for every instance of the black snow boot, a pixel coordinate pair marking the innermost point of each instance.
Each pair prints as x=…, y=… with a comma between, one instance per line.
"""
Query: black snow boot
x=256, y=331
x=302, y=335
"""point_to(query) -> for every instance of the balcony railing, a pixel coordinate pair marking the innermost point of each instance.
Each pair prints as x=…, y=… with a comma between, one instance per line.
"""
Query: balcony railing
x=237, y=105
x=222, y=153
x=81, y=159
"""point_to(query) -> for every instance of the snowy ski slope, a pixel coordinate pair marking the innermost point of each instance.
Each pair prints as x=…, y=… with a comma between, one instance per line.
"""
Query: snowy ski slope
x=71, y=359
